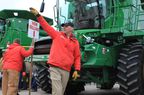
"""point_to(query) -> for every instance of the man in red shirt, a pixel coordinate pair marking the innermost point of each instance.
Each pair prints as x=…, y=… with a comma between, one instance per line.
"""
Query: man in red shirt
x=12, y=64
x=64, y=53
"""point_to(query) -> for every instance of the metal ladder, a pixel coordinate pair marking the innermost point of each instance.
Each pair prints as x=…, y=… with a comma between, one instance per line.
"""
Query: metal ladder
x=139, y=17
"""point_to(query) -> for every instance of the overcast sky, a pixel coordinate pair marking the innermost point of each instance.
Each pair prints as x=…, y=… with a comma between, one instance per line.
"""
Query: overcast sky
x=25, y=4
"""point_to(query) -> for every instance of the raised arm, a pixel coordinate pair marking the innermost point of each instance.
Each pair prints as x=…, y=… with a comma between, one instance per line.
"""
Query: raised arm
x=50, y=30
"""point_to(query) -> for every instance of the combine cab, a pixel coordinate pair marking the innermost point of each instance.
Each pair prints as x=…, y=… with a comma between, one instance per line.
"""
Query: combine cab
x=111, y=37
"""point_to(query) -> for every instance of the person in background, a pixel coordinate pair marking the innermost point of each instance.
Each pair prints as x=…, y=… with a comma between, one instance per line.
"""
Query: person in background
x=64, y=53
x=12, y=65
x=34, y=84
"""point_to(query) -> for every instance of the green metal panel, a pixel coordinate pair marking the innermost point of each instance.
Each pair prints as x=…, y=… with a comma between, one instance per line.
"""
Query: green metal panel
x=93, y=55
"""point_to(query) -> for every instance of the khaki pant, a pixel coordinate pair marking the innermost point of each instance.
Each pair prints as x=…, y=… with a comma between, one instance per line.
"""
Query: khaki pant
x=10, y=81
x=59, y=79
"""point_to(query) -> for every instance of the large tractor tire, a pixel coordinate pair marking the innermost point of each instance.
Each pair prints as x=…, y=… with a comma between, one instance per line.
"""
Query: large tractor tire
x=130, y=69
x=43, y=79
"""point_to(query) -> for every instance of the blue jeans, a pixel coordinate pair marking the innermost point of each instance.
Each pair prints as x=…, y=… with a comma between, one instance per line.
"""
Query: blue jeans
x=34, y=84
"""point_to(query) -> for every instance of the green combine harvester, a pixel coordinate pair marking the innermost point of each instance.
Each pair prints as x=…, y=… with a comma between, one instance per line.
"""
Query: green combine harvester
x=14, y=24
x=111, y=37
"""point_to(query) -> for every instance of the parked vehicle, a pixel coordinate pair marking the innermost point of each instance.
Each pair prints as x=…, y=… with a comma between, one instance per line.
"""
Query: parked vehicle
x=14, y=24
x=111, y=37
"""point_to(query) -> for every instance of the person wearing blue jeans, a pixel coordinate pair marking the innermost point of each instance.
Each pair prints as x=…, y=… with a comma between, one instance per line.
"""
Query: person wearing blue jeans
x=34, y=84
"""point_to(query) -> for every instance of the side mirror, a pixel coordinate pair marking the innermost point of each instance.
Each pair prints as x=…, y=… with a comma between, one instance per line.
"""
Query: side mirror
x=42, y=6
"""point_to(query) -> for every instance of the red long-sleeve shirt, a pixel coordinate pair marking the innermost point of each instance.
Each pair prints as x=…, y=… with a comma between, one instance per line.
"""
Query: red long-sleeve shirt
x=14, y=56
x=64, y=51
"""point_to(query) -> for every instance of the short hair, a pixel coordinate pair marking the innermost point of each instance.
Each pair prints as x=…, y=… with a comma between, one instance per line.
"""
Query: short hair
x=17, y=40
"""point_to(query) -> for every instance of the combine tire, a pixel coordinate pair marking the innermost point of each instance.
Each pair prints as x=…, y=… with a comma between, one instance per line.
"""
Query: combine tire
x=43, y=79
x=130, y=69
